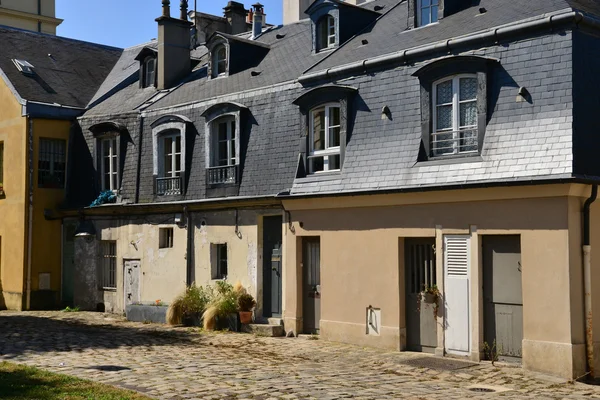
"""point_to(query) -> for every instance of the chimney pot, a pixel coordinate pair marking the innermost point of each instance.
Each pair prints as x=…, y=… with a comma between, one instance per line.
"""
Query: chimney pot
x=166, y=8
x=184, y=10
x=257, y=20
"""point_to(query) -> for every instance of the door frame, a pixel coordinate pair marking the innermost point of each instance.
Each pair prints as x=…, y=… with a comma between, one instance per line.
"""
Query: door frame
x=263, y=269
x=305, y=240
x=125, y=260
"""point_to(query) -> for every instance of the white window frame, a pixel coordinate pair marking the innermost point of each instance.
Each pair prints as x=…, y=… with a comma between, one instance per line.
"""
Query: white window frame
x=327, y=151
x=232, y=151
x=113, y=153
x=456, y=102
x=327, y=42
x=330, y=31
x=420, y=7
x=176, y=170
x=217, y=60
x=147, y=81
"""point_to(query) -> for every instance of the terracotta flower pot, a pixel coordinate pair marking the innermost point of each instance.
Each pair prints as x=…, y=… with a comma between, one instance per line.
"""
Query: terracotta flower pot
x=428, y=298
x=246, y=317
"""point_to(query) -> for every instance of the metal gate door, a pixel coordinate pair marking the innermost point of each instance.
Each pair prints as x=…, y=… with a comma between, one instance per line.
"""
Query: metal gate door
x=131, y=282
x=420, y=270
x=456, y=294
x=312, y=284
x=502, y=294
x=272, y=292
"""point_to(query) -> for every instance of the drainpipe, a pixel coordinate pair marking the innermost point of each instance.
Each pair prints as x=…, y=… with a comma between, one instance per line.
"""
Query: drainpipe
x=30, y=215
x=587, y=281
x=190, y=239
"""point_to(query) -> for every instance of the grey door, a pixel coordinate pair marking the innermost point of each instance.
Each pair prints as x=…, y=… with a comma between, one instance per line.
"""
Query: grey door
x=311, y=264
x=420, y=272
x=131, y=281
x=68, y=267
x=502, y=295
x=272, y=293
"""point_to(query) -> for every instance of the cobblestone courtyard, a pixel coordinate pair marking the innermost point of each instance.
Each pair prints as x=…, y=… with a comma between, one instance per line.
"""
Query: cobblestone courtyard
x=184, y=363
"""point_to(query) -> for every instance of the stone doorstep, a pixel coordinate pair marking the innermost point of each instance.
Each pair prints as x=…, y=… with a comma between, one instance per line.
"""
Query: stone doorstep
x=264, y=329
x=275, y=321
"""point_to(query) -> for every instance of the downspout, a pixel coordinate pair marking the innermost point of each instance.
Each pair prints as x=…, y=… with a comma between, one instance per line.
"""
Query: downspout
x=190, y=239
x=587, y=281
x=30, y=214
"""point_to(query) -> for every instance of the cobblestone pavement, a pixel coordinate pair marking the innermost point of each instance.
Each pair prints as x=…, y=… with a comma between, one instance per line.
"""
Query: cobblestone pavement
x=185, y=363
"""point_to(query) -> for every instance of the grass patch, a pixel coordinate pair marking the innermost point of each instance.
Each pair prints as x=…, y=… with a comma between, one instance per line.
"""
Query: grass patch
x=21, y=382
x=71, y=309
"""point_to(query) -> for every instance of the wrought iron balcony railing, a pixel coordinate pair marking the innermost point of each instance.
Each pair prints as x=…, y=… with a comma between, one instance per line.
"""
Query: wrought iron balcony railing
x=222, y=175
x=168, y=186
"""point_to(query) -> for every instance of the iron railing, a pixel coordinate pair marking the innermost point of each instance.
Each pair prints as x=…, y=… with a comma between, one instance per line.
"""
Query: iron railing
x=454, y=142
x=168, y=186
x=222, y=175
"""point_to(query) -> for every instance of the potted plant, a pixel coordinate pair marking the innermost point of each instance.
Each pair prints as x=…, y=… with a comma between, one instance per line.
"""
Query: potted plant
x=246, y=304
x=430, y=295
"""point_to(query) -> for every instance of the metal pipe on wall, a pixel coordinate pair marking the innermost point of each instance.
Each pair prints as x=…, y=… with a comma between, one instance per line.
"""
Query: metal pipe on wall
x=30, y=214
x=587, y=281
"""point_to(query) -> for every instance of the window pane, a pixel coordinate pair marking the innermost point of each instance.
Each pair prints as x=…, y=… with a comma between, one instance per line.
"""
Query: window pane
x=113, y=181
x=178, y=144
x=334, y=137
x=434, y=14
x=425, y=16
x=221, y=66
x=232, y=150
x=444, y=92
x=468, y=88
x=444, y=118
x=425, y=3
x=322, y=30
x=334, y=162
x=167, y=144
x=334, y=116
x=468, y=140
x=316, y=164
x=468, y=114
x=319, y=129
x=443, y=144
x=114, y=164
x=222, y=156
x=177, y=165
x=105, y=147
x=168, y=165
x=222, y=131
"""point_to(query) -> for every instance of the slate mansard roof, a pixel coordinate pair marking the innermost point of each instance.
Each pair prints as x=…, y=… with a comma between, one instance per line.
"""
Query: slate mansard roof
x=67, y=72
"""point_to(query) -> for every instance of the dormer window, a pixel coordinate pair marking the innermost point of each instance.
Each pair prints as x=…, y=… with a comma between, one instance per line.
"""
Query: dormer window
x=325, y=127
x=219, y=61
x=427, y=12
x=149, y=72
x=326, y=33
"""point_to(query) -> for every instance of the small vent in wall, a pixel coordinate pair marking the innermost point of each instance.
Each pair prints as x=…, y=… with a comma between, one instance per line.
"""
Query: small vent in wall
x=457, y=256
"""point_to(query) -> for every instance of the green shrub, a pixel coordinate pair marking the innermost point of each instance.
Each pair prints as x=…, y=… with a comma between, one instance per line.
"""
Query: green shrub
x=193, y=302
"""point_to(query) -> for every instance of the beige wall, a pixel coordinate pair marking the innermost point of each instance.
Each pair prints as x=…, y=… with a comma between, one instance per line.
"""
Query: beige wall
x=24, y=14
x=362, y=263
x=164, y=270
x=13, y=133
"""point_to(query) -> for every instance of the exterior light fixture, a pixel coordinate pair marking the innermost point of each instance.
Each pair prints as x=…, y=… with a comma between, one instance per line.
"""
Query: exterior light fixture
x=85, y=230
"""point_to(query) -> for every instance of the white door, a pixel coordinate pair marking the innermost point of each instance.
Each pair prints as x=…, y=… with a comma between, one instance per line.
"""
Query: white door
x=131, y=282
x=456, y=294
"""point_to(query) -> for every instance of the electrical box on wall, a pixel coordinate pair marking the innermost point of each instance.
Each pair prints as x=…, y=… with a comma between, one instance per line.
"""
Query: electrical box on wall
x=44, y=281
x=373, y=321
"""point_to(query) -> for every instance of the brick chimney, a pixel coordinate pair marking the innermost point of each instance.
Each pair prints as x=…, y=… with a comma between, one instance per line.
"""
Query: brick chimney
x=173, y=46
x=258, y=19
x=235, y=13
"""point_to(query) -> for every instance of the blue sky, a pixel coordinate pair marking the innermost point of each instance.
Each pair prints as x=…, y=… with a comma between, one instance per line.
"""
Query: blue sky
x=124, y=23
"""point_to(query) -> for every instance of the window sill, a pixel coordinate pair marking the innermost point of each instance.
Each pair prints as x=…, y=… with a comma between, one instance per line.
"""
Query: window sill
x=447, y=160
x=320, y=177
x=108, y=289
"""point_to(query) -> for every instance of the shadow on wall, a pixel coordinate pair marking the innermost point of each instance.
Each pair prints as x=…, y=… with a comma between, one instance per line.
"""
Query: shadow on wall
x=40, y=335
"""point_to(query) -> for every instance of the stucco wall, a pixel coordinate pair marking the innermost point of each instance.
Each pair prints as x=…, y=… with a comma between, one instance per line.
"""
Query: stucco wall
x=13, y=133
x=362, y=264
x=24, y=14
x=163, y=271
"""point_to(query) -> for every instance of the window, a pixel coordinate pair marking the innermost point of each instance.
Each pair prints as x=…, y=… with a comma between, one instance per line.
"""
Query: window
x=149, y=72
x=108, y=264
x=109, y=163
x=224, y=158
x=219, y=60
x=427, y=11
x=52, y=163
x=324, y=143
x=326, y=33
x=455, y=116
x=219, y=261
x=165, y=238
x=169, y=179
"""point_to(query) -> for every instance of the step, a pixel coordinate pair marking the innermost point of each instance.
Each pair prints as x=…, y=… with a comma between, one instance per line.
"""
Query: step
x=264, y=329
x=275, y=321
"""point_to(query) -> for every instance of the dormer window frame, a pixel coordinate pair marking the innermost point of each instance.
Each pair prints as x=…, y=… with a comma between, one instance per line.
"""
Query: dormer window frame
x=220, y=62
x=326, y=31
x=149, y=79
x=169, y=182
x=111, y=140
x=432, y=9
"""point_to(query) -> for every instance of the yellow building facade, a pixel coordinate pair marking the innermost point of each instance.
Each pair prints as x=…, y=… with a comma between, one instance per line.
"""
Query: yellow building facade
x=32, y=15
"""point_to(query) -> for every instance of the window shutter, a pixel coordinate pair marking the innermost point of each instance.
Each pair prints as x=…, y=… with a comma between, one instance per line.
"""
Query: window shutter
x=457, y=256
